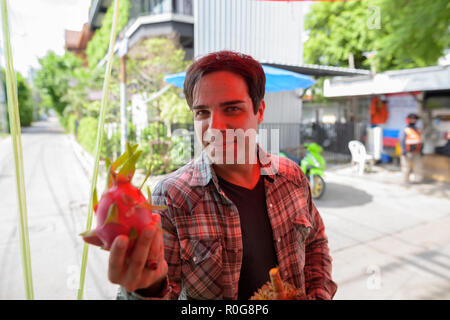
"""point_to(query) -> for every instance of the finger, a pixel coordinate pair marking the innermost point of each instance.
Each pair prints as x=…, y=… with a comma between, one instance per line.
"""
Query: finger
x=157, y=243
x=139, y=256
x=117, y=258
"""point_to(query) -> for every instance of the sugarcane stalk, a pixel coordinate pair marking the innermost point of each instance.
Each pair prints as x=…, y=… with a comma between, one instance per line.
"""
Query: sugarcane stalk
x=98, y=144
x=14, y=122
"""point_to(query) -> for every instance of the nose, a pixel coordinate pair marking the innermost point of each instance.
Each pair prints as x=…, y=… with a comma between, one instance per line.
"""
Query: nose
x=217, y=121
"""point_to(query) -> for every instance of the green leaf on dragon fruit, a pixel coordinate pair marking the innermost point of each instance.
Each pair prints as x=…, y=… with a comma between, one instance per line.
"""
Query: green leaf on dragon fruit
x=149, y=171
x=95, y=198
x=108, y=173
x=149, y=195
x=125, y=156
x=152, y=206
x=129, y=167
x=113, y=214
x=133, y=233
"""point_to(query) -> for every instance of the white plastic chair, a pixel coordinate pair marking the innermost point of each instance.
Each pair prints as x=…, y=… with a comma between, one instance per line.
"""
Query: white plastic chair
x=360, y=156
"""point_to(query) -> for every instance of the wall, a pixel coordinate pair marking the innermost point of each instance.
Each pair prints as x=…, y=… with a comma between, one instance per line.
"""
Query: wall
x=271, y=32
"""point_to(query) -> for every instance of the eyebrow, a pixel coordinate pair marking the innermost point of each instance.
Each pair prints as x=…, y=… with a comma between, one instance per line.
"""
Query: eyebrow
x=223, y=104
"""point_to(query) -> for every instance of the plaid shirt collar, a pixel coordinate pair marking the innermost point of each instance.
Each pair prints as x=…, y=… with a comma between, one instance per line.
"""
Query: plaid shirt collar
x=203, y=171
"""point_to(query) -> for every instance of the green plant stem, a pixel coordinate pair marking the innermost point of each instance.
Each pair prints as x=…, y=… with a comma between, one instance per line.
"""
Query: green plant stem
x=14, y=120
x=98, y=145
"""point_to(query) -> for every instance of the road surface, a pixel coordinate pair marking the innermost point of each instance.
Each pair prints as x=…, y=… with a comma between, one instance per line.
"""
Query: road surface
x=387, y=241
x=57, y=191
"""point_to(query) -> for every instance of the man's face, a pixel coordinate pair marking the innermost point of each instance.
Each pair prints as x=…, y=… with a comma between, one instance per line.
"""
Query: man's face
x=222, y=105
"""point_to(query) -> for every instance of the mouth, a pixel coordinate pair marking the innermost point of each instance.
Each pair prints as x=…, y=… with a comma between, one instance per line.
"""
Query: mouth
x=224, y=143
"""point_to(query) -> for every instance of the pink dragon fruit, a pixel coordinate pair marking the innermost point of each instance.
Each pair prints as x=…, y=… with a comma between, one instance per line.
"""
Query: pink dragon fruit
x=122, y=209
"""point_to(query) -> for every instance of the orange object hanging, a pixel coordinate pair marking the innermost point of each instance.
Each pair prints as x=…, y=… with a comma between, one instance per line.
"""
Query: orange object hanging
x=378, y=111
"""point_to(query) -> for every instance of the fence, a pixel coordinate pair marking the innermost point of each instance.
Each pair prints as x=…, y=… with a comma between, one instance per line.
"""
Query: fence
x=334, y=138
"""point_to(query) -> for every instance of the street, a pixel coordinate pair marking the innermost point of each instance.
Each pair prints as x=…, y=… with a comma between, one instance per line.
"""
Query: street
x=57, y=191
x=387, y=241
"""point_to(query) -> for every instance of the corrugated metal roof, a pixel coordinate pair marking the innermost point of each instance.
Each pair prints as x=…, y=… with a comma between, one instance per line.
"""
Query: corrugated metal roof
x=395, y=81
x=320, y=70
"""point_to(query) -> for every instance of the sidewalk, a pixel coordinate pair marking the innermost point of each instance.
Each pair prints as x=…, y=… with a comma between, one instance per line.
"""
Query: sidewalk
x=387, y=240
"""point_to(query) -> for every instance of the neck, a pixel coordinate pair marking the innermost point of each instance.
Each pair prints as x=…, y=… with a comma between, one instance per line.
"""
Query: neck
x=244, y=175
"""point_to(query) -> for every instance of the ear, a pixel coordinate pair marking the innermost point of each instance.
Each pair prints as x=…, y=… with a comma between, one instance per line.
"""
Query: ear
x=261, y=108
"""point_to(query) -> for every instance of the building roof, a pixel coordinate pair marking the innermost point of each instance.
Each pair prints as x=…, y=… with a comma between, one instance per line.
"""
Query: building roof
x=77, y=40
x=320, y=70
x=397, y=81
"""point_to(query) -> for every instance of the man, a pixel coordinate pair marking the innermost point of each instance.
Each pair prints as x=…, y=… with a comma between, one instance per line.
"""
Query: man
x=234, y=212
x=411, y=142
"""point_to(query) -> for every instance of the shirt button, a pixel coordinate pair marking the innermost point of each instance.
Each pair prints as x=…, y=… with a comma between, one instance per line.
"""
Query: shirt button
x=270, y=205
x=279, y=239
x=195, y=259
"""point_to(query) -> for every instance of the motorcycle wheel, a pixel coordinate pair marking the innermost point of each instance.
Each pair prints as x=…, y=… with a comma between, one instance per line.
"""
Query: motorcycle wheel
x=319, y=187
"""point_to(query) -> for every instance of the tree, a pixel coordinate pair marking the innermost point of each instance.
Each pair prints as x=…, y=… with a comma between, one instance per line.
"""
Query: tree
x=53, y=79
x=336, y=30
x=418, y=33
x=149, y=62
x=403, y=33
x=24, y=98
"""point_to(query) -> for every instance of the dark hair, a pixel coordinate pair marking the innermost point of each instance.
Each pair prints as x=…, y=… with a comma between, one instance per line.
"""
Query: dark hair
x=243, y=65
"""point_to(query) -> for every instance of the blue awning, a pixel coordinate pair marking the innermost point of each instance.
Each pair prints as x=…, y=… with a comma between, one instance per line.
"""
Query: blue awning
x=276, y=80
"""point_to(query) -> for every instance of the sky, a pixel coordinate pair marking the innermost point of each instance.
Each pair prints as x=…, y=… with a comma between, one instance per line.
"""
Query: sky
x=37, y=26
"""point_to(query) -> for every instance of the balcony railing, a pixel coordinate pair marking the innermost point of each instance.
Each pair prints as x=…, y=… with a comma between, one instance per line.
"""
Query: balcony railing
x=154, y=7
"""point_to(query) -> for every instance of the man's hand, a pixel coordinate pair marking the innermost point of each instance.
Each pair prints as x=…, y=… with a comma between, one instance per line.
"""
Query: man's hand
x=145, y=266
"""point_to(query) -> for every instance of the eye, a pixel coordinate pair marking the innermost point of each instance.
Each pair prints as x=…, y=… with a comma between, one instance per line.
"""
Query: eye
x=232, y=109
x=201, y=113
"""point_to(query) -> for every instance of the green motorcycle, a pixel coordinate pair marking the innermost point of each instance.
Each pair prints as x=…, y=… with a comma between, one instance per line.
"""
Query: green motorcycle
x=313, y=165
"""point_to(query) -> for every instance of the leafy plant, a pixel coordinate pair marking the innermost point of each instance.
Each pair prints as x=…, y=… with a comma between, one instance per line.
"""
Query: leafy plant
x=25, y=100
x=98, y=46
x=406, y=33
x=53, y=79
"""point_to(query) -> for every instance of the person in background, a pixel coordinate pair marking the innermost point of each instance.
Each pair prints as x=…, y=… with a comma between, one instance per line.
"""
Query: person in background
x=411, y=143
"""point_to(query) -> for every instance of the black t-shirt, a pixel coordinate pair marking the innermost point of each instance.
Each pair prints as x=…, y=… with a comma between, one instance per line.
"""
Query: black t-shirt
x=259, y=252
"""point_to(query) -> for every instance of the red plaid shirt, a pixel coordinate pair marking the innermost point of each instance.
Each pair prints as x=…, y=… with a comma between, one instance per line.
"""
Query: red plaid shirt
x=203, y=245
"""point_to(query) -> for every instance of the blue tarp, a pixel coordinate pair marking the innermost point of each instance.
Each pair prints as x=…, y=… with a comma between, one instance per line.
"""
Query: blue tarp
x=276, y=80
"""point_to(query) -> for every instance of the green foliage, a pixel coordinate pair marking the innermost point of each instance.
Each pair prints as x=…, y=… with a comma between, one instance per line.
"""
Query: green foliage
x=152, y=59
x=156, y=147
x=87, y=134
x=98, y=46
x=336, y=29
x=148, y=63
x=53, y=79
x=25, y=100
x=410, y=33
x=72, y=124
x=418, y=32
x=76, y=99
x=24, y=95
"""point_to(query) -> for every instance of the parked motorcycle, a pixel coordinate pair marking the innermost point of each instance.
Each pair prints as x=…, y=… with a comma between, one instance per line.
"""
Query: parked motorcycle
x=313, y=165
